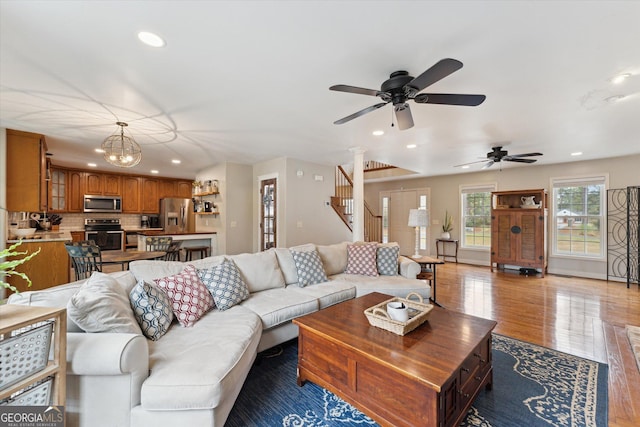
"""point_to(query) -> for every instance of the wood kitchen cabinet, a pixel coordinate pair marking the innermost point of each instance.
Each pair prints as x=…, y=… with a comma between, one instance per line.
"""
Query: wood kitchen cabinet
x=167, y=188
x=26, y=172
x=131, y=194
x=49, y=268
x=102, y=184
x=518, y=231
x=150, y=199
x=184, y=189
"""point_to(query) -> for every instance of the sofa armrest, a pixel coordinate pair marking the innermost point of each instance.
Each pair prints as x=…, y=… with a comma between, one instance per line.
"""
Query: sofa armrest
x=107, y=354
x=408, y=267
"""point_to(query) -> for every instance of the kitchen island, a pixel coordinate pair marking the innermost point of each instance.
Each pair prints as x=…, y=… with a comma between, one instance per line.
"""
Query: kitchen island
x=50, y=267
x=207, y=238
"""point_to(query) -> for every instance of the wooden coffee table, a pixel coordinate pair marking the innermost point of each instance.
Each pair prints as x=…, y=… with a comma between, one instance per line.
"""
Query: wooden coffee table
x=428, y=377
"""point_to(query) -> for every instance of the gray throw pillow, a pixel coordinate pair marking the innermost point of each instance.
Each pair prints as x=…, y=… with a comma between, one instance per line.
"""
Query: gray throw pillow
x=309, y=268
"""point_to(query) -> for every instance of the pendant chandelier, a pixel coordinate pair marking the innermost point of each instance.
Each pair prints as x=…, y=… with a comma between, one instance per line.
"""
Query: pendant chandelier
x=121, y=150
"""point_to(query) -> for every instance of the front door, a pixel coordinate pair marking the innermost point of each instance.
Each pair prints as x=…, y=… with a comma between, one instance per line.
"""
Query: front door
x=268, y=214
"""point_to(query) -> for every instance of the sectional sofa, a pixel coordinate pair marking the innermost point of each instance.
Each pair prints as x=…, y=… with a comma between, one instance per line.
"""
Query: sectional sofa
x=117, y=376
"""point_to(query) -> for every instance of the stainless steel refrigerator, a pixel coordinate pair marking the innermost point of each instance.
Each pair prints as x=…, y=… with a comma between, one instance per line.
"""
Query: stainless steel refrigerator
x=177, y=216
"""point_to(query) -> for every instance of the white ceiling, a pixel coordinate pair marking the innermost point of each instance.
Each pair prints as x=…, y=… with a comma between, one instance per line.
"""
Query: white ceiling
x=246, y=81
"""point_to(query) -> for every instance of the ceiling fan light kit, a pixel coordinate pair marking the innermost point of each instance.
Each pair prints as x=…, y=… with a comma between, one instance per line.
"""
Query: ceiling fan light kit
x=402, y=87
x=121, y=150
x=497, y=155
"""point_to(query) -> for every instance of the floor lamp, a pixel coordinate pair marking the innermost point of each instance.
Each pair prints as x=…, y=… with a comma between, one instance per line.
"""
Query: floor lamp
x=418, y=218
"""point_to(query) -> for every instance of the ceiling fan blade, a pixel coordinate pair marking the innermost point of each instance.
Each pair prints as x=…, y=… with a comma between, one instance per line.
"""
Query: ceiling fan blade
x=473, y=163
x=359, y=113
x=512, y=159
x=439, y=71
x=488, y=165
x=525, y=155
x=450, y=99
x=354, y=89
x=405, y=119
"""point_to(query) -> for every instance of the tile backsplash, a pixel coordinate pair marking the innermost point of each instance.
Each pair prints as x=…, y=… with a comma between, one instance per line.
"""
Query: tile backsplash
x=75, y=221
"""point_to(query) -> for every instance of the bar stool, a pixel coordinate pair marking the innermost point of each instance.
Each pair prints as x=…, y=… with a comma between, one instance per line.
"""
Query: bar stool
x=202, y=250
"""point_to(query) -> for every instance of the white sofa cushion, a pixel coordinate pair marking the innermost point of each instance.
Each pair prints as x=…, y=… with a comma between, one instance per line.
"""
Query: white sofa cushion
x=397, y=286
x=309, y=267
x=102, y=305
x=190, y=298
x=225, y=284
x=152, y=309
x=334, y=257
x=328, y=293
x=287, y=265
x=197, y=367
x=277, y=306
x=260, y=270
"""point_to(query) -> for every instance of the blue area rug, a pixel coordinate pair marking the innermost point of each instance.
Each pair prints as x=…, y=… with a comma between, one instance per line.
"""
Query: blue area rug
x=532, y=386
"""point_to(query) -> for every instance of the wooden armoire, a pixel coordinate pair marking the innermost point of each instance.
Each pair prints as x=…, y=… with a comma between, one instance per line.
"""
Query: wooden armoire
x=519, y=230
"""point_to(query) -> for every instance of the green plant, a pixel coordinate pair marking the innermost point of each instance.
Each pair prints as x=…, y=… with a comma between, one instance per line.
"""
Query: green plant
x=7, y=268
x=447, y=225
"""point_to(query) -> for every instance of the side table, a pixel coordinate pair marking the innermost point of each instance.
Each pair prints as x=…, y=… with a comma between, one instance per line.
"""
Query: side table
x=428, y=272
x=444, y=254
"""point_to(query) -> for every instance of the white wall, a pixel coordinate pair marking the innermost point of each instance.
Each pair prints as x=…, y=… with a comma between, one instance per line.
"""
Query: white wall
x=3, y=194
x=623, y=172
x=303, y=215
x=233, y=225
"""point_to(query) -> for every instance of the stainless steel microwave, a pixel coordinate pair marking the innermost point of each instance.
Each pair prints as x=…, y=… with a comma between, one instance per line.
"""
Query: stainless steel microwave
x=102, y=203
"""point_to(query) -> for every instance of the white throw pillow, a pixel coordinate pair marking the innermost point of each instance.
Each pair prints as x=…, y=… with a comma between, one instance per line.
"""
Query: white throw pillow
x=102, y=305
x=260, y=271
x=334, y=258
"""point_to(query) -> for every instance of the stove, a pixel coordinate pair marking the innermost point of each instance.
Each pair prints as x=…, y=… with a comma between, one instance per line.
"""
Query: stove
x=106, y=232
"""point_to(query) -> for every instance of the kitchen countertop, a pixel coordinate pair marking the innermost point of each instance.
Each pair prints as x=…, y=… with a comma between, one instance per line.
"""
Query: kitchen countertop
x=139, y=229
x=165, y=233
x=44, y=236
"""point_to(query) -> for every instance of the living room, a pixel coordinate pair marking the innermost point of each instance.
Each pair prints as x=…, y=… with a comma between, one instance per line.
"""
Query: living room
x=255, y=105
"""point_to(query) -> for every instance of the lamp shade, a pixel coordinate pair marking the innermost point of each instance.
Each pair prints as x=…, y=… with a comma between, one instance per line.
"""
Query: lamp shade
x=121, y=150
x=418, y=218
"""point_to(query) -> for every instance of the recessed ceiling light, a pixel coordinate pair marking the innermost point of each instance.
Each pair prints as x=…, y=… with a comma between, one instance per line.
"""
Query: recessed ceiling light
x=577, y=153
x=154, y=171
x=620, y=78
x=92, y=165
x=175, y=161
x=151, y=39
x=378, y=132
x=465, y=167
x=99, y=150
x=411, y=146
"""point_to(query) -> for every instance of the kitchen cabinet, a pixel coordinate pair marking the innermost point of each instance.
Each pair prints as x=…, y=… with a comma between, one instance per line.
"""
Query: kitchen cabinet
x=150, y=199
x=26, y=172
x=101, y=184
x=184, y=189
x=112, y=185
x=166, y=188
x=518, y=230
x=131, y=194
x=49, y=268
x=57, y=190
x=75, y=191
x=94, y=183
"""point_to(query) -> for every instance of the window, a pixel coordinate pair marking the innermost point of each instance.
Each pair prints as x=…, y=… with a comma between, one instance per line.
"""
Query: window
x=578, y=216
x=423, y=230
x=476, y=215
x=385, y=219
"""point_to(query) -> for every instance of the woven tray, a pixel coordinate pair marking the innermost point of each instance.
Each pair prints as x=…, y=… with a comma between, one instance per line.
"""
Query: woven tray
x=418, y=314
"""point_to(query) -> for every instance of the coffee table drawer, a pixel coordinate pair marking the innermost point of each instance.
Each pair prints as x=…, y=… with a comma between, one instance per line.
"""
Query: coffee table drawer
x=325, y=359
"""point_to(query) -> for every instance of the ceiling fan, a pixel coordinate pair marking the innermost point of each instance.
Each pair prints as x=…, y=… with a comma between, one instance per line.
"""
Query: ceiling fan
x=401, y=87
x=497, y=154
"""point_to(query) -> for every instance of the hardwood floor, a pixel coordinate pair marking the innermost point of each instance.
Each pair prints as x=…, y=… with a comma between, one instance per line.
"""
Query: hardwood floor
x=578, y=316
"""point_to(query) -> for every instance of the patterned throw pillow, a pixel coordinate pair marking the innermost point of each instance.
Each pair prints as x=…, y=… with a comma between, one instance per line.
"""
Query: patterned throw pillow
x=388, y=260
x=361, y=259
x=152, y=309
x=309, y=267
x=190, y=299
x=225, y=284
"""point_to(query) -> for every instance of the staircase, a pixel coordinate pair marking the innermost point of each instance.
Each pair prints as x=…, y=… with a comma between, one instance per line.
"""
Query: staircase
x=342, y=204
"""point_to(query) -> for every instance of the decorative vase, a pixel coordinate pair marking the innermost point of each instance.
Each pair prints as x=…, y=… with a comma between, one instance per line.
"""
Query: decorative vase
x=446, y=235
